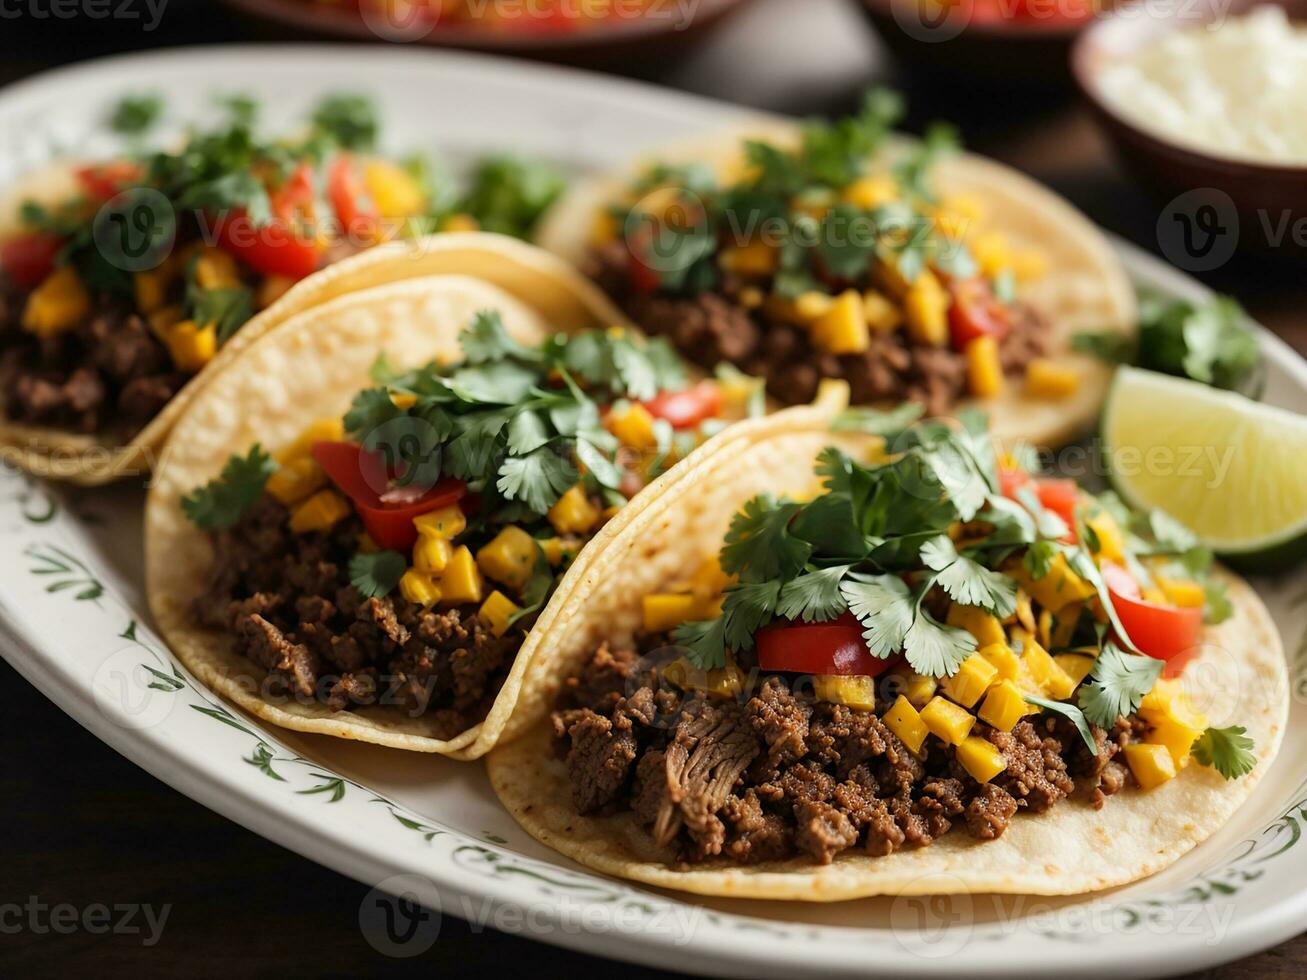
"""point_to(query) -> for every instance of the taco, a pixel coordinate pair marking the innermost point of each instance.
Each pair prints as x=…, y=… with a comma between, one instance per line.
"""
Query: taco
x=842, y=251
x=365, y=525
x=922, y=671
x=127, y=281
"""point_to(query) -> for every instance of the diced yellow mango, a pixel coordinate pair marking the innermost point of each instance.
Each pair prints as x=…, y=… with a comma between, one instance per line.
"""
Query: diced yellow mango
x=980, y=624
x=573, y=513
x=984, y=369
x=1076, y=666
x=872, y=191
x=1178, y=737
x=1151, y=764
x=947, y=721
x=708, y=578
x=1047, y=379
x=296, y=479
x=981, y=758
x=972, y=679
x=919, y=689
x=925, y=308
x=216, y=269
x=1004, y=706
x=271, y=289
x=754, y=259
x=1025, y=614
x=1182, y=592
x=905, y=721
x=889, y=278
x=992, y=253
x=1006, y=665
x=320, y=512
x=403, y=400
x=751, y=297
x=431, y=554
x=509, y=558
x=663, y=611
x=151, y=289
x=855, y=691
x=842, y=329
x=192, y=346
x=366, y=545
x=164, y=318
x=812, y=306
x=1167, y=701
x=58, y=304
x=1029, y=266
x=393, y=189
x=418, y=587
x=319, y=430
x=443, y=522
x=1058, y=588
x=721, y=682
x=882, y=315
x=603, y=228
x=461, y=581
x=633, y=426
x=1111, y=542
x=559, y=551
x=460, y=222
x=1044, y=671
x=497, y=610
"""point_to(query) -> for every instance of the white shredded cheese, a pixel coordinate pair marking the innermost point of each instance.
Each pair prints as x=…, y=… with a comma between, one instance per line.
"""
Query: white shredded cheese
x=1235, y=89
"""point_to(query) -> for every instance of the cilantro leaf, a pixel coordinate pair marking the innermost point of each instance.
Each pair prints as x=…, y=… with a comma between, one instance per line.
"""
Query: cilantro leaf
x=1038, y=558
x=1117, y=684
x=814, y=596
x=884, y=606
x=135, y=114
x=935, y=649
x=349, y=119
x=748, y=606
x=227, y=307
x=967, y=581
x=537, y=479
x=371, y=409
x=598, y=464
x=526, y=433
x=1218, y=607
x=220, y=503
x=1227, y=750
x=468, y=454
x=1070, y=711
x=759, y=545
x=507, y=195
x=877, y=422
x=376, y=575
x=704, y=642
x=487, y=339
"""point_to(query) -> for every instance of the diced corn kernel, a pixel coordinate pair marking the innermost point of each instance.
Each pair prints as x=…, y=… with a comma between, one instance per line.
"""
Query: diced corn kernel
x=216, y=269
x=271, y=289
x=443, y=522
x=1152, y=765
x=919, y=689
x=722, y=682
x=319, y=512
x=947, y=721
x=1182, y=592
x=393, y=189
x=981, y=758
x=418, y=587
x=905, y=721
x=461, y=581
x=151, y=289
x=509, y=558
x=460, y=222
x=663, y=611
x=872, y=191
x=296, y=479
x=633, y=426
x=980, y=624
x=882, y=315
x=497, y=610
x=573, y=513
x=1059, y=587
x=854, y=691
x=319, y=430
x=1005, y=662
x=1178, y=737
x=984, y=369
x=192, y=346
x=1046, y=378
x=1076, y=666
x=842, y=329
x=754, y=259
x=431, y=554
x=972, y=679
x=1004, y=706
x=58, y=304
x=925, y=308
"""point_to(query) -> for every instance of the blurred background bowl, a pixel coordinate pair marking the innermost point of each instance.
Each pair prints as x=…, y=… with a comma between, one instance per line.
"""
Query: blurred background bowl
x=1169, y=169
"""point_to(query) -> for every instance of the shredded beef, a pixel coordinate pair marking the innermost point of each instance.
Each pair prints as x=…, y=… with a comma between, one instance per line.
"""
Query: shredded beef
x=600, y=759
x=287, y=601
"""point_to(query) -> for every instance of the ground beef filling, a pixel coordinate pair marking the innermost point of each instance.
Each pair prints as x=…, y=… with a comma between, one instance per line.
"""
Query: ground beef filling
x=287, y=601
x=777, y=775
x=713, y=327
x=109, y=373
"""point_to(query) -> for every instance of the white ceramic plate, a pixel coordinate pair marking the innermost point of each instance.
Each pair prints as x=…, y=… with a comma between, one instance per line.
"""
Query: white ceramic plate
x=74, y=623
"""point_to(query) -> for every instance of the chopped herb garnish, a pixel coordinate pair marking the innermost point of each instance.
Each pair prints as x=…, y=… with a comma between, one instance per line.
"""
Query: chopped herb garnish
x=507, y=195
x=1071, y=712
x=135, y=114
x=1117, y=685
x=349, y=119
x=221, y=502
x=1227, y=750
x=377, y=574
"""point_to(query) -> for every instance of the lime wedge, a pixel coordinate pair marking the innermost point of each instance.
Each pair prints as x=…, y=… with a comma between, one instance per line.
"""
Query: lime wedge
x=1233, y=470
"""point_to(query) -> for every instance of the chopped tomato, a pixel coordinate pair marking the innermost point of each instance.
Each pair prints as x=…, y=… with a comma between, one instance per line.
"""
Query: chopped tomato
x=836, y=647
x=102, y=181
x=354, y=207
x=1010, y=481
x=1058, y=496
x=1164, y=632
x=975, y=312
x=362, y=477
x=28, y=258
x=287, y=246
x=687, y=409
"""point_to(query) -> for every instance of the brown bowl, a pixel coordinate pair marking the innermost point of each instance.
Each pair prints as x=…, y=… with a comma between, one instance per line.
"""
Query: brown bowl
x=627, y=42
x=1259, y=196
x=1006, y=50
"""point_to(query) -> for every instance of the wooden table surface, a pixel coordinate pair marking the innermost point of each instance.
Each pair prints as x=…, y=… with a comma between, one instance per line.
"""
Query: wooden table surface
x=81, y=825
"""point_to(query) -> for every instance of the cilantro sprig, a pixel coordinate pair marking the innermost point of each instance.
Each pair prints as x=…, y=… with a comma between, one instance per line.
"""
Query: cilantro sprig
x=220, y=503
x=1227, y=750
x=1117, y=685
x=377, y=574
